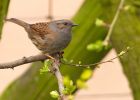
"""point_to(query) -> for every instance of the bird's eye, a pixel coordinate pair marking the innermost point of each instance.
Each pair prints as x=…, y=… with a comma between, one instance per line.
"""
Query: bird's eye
x=65, y=23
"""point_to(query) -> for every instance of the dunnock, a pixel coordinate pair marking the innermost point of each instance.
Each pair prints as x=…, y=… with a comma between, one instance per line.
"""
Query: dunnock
x=49, y=37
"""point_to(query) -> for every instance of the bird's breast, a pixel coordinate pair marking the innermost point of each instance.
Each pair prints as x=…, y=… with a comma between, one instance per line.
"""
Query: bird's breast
x=63, y=40
x=59, y=42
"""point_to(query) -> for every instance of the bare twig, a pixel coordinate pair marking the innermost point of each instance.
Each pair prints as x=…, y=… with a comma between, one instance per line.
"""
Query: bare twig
x=57, y=73
x=106, y=41
x=24, y=60
x=98, y=63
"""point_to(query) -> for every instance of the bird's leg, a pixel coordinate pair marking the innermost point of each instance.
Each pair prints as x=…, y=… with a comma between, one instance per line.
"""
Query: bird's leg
x=49, y=56
x=61, y=54
x=58, y=54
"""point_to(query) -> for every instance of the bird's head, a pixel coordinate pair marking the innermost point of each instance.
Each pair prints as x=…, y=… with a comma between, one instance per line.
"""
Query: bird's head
x=62, y=25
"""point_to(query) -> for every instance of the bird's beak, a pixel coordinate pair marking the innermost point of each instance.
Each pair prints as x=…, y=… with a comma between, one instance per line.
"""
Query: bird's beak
x=74, y=25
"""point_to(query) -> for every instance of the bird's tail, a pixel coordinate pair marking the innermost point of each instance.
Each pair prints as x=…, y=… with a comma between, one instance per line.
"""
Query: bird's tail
x=19, y=22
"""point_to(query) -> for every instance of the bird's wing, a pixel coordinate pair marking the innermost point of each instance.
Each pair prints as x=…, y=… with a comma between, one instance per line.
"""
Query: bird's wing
x=40, y=29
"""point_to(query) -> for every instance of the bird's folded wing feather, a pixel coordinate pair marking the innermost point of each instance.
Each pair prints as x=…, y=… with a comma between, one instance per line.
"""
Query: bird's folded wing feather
x=40, y=29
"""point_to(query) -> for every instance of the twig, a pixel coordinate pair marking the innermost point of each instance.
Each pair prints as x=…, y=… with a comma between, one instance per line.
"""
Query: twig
x=42, y=57
x=24, y=60
x=39, y=57
x=98, y=63
x=106, y=41
x=56, y=71
x=50, y=17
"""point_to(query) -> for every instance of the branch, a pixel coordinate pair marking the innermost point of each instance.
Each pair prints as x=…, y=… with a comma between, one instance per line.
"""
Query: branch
x=98, y=63
x=24, y=60
x=106, y=41
x=42, y=57
x=39, y=57
x=57, y=73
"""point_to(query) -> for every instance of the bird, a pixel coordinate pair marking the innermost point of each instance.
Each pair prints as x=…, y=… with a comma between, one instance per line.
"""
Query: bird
x=49, y=37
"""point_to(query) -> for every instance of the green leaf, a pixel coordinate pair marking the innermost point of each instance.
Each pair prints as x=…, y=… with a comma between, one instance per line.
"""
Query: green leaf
x=97, y=46
x=66, y=81
x=69, y=90
x=47, y=65
x=69, y=86
x=71, y=97
x=87, y=73
x=81, y=84
x=54, y=94
x=127, y=7
x=99, y=22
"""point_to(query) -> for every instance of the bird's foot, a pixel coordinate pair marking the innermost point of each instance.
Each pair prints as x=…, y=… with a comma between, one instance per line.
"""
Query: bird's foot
x=61, y=54
x=50, y=57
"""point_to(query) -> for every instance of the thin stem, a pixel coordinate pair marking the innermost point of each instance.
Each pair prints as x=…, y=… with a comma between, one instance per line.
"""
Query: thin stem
x=57, y=73
x=106, y=41
x=98, y=63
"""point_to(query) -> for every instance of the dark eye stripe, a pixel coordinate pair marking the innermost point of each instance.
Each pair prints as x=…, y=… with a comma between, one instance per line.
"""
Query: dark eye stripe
x=65, y=23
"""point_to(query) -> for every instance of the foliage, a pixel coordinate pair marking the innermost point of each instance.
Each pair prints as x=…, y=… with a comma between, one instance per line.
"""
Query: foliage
x=46, y=67
x=54, y=94
x=97, y=46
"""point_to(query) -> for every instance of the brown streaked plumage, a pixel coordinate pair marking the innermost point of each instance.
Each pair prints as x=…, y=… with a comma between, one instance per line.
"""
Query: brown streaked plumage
x=49, y=37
